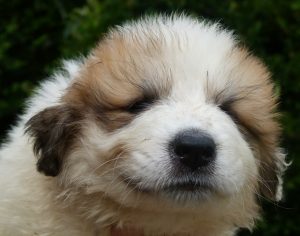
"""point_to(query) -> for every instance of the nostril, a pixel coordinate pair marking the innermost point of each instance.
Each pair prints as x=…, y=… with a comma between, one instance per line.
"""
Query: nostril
x=194, y=148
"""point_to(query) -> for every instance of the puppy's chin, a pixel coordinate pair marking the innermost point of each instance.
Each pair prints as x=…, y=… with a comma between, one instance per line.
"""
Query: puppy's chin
x=182, y=191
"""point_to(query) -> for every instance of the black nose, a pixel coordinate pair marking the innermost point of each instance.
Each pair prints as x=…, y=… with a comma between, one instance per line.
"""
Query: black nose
x=194, y=148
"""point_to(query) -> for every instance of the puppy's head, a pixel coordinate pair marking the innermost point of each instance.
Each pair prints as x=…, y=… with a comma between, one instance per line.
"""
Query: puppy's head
x=167, y=109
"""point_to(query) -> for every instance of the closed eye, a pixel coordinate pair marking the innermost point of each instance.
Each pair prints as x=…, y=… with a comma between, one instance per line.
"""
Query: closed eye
x=245, y=128
x=140, y=105
x=227, y=107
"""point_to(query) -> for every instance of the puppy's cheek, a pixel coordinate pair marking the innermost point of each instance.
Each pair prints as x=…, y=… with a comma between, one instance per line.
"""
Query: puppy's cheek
x=96, y=159
x=236, y=167
x=232, y=177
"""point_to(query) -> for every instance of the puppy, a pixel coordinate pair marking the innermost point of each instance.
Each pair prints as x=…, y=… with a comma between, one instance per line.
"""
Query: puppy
x=167, y=127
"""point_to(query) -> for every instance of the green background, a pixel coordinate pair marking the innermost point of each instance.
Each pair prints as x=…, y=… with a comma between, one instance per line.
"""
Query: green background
x=35, y=35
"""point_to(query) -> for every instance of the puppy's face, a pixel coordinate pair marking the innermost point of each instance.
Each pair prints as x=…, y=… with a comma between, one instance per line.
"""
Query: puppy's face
x=168, y=111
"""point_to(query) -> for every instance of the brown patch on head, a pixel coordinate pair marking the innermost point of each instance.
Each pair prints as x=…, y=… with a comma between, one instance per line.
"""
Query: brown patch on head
x=249, y=98
x=119, y=73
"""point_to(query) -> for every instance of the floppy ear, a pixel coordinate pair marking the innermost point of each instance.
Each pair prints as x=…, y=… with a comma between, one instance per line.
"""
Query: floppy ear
x=53, y=131
x=271, y=167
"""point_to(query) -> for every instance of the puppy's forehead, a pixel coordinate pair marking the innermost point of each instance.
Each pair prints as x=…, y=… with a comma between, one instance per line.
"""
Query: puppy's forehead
x=155, y=51
x=154, y=57
x=123, y=68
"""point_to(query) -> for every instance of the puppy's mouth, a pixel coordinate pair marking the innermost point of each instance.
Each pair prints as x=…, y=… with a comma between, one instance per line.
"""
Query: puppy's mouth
x=186, y=187
x=176, y=187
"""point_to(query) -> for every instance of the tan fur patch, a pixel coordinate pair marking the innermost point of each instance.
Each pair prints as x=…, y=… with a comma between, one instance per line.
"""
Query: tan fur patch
x=255, y=111
x=113, y=78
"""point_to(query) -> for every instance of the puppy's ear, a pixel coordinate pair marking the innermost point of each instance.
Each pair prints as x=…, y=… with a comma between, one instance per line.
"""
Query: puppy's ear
x=271, y=167
x=53, y=131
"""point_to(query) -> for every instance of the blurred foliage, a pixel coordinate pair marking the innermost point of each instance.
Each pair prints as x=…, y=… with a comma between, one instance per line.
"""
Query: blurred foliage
x=35, y=35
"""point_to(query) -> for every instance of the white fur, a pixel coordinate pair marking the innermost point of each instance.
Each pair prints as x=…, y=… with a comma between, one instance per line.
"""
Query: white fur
x=33, y=204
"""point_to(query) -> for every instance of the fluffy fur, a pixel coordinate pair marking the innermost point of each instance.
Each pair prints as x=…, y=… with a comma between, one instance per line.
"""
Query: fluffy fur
x=98, y=132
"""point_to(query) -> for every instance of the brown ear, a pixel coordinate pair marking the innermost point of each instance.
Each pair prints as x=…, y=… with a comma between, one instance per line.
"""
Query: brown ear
x=53, y=131
x=271, y=167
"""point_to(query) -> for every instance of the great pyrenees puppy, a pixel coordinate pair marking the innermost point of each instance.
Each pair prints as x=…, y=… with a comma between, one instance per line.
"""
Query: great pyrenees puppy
x=167, y=127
